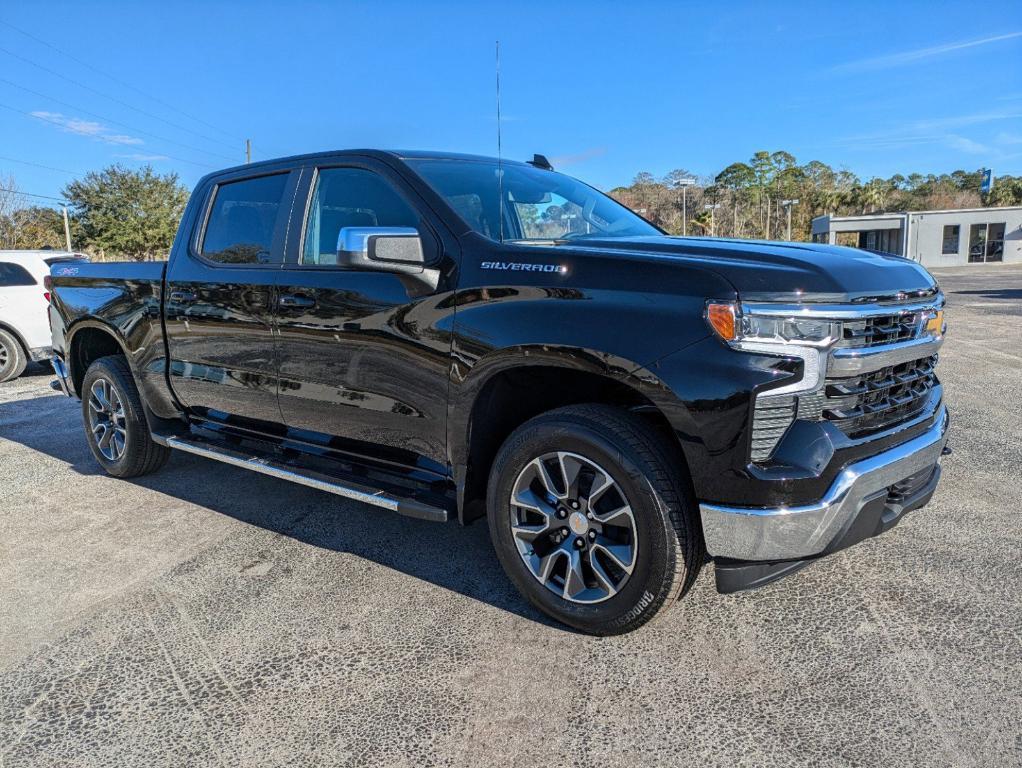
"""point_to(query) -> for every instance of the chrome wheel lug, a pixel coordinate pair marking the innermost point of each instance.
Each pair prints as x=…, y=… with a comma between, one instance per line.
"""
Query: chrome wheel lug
x=574, y=504
x=579, y=543
x=591, y=516
x=592, y=535
x=562, y=513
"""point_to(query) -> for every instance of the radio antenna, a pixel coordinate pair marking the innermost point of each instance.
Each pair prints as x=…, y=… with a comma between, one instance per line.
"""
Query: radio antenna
x=500, y=166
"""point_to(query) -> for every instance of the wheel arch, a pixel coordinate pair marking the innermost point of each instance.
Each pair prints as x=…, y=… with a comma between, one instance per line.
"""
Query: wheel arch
x=5, y=326
x=87, y=341
x=507, y=389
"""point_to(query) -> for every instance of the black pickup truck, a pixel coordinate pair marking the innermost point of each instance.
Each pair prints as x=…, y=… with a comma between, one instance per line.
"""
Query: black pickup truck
x=454, y=336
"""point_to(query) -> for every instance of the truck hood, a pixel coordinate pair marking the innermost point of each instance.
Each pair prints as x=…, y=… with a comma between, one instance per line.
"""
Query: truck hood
x=774, y=271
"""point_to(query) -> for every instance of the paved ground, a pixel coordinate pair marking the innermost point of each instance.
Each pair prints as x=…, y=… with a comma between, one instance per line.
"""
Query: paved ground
x=209, y=616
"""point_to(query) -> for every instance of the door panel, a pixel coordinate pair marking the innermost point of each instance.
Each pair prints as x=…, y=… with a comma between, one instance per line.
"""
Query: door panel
x=364, y=356
x=220, y=300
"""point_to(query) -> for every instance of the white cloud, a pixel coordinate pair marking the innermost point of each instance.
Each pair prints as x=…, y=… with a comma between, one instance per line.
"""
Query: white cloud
x=910, y=57
x=120, y=138
x=963, y=144
x=939, y=131
x=88, y=128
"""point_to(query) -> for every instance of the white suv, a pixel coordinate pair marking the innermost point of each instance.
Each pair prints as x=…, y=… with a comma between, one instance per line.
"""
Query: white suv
x=24, y=301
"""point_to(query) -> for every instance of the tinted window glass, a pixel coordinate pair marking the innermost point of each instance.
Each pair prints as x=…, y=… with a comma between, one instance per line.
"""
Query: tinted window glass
x=350, y=197
x=12, y=275
x=241, y=222
x=537, y=205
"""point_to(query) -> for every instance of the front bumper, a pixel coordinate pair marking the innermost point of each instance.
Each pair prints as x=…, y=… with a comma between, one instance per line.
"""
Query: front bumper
x=807, y=531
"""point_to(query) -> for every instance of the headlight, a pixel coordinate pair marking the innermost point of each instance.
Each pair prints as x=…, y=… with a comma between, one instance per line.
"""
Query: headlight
x=752, y=330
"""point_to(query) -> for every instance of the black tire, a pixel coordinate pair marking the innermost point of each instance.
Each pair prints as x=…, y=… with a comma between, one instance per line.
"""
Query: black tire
x=13, y=358
x=140, y=455
x=669, y=550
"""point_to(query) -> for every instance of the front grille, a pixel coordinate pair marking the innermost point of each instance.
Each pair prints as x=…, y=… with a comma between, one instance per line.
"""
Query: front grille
x=880, y=329
x=859, y=405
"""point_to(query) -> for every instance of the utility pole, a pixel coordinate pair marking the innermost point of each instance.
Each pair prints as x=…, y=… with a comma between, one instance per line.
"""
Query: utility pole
x=248, y=151
x=787, y=204
x=67, y=229
x=685, y=184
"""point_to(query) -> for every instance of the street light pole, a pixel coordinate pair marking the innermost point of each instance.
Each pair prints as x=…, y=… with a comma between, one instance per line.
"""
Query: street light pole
x=713, y=225
x=787, y=204
x=685, y=184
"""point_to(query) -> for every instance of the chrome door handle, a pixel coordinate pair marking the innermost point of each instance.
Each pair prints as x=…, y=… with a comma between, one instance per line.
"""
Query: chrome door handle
x=183, y=297
x=295, y=300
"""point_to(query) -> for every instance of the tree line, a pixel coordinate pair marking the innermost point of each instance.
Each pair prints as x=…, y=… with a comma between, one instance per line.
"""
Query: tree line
x=116, y=213
x=120, y=213
x=753, y=199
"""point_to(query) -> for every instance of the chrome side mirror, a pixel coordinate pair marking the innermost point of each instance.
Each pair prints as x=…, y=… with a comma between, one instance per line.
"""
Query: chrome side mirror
x=388, y=249
x=385, y=249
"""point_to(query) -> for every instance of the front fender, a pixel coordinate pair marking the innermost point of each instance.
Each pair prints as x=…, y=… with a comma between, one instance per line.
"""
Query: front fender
x=706, y=392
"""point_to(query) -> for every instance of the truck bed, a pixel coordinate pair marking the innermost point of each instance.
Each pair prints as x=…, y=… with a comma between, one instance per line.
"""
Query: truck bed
x=122, y=296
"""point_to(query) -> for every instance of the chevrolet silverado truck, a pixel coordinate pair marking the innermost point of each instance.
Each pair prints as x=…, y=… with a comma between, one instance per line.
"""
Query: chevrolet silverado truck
x=450, y=336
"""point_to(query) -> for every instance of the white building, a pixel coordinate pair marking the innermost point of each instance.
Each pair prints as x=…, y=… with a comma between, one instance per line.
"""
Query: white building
x=933, y=238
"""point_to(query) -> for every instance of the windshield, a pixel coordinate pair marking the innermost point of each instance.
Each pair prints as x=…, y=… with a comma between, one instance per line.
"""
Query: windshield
x=539, y=205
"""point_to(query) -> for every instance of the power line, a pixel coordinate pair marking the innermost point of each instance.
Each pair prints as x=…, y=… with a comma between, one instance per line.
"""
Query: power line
x=115, y=79
x=33, y=194
x=63, y=125
x=114, y=122
x=37, y=165
x=112, y=98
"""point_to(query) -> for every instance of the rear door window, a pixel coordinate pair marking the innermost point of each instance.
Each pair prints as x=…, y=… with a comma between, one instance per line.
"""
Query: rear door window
x=14, y=275
x=242, y=221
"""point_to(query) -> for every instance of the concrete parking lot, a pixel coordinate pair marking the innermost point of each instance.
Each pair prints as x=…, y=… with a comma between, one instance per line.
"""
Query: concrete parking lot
x=209, y=616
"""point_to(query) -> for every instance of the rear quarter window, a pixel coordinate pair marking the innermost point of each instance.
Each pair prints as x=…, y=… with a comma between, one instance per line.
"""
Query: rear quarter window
x=14, y=275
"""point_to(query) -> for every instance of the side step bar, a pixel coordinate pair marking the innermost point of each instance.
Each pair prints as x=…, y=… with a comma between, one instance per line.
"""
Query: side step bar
x=309, y=478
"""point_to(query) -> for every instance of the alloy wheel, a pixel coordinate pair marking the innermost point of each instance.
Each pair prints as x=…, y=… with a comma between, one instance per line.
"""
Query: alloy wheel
x=5, y=356
x=107, y=419
x=573, y=527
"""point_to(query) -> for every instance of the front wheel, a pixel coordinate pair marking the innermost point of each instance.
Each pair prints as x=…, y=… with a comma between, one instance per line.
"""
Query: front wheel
x=115, y=424
x=591, y=520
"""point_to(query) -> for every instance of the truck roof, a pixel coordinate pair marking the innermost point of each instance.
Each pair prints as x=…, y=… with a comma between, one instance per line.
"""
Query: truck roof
x=400, y=154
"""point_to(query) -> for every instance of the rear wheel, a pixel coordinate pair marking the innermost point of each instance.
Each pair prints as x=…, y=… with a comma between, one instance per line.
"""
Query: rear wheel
x=591, y=520
x=115, y=424
x=12, y=357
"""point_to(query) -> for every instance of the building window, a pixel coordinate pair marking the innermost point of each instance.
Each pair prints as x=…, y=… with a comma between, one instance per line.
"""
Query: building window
x=951, y=235
x=995, y=242
x=986, y=242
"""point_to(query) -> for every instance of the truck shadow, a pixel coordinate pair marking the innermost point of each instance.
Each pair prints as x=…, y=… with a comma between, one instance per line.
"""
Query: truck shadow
x=460, y=559
x=992, y=293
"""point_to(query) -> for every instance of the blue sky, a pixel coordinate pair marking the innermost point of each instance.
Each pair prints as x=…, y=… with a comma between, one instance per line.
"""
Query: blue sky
x=605, y=89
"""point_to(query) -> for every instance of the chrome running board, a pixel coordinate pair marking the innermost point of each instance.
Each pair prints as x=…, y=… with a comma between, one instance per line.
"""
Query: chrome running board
x=308, y=478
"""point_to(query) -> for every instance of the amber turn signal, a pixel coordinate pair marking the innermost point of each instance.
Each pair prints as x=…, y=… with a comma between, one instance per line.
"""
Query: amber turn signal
x=936, y=323
x=722, y=319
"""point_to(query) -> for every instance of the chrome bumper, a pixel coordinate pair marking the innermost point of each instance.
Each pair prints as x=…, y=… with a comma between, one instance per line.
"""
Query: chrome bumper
x=789, y=533
x=62, y=381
